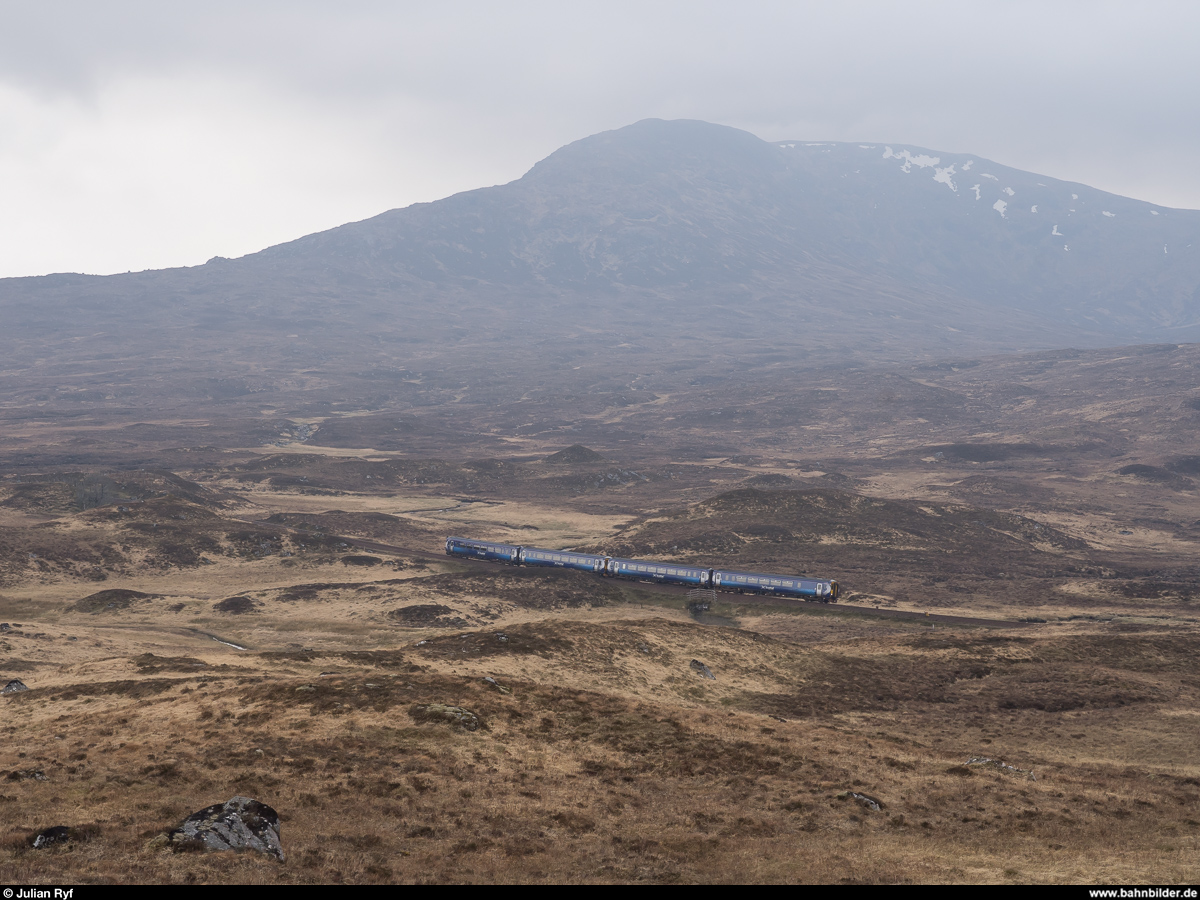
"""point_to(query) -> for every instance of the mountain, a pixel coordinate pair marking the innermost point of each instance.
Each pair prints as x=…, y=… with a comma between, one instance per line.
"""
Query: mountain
x=686, y=229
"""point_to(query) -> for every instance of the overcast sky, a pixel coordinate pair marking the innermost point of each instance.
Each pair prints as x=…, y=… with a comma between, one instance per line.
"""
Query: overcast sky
x=144, y=135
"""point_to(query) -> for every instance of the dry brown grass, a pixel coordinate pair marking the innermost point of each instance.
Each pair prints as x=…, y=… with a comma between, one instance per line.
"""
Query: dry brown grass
x=602, y=757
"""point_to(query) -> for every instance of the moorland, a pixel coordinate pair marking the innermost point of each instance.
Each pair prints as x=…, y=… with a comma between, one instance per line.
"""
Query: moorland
x=216, y=584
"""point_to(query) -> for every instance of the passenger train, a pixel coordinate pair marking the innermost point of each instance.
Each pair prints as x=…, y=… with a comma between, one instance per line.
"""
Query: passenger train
x=822, y=590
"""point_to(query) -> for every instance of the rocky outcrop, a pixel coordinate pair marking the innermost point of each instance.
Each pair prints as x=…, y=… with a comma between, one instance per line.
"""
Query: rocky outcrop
x=702, y=670
x=449, y=715
x=1001, y=766
x=238, y=824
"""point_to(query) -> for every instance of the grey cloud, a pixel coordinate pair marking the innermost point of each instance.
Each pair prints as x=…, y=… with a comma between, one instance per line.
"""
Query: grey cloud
x=1096, y=92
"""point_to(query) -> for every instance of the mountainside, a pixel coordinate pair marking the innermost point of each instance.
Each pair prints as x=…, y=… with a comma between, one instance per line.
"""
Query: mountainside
x=702, y=229
x=691, y=205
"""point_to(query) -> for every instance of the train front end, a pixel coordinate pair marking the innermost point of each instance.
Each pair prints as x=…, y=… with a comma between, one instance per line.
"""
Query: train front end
x=820, y=590
x=487, y=550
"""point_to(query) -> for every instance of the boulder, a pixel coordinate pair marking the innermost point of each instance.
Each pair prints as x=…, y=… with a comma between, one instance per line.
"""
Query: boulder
x=497, y=685
x=26, y=775
x=13, y=687
x=48, y=837
x=864, y=800
x=238, y=824
x=702, y=670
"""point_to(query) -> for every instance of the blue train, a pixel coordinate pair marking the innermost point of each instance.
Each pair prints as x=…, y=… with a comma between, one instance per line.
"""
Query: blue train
x=822, y=590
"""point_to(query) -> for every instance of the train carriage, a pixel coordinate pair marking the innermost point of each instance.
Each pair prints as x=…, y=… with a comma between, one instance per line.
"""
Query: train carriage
x=781, y=585
x=659, y=572
x=489, y=550
x=562, y=559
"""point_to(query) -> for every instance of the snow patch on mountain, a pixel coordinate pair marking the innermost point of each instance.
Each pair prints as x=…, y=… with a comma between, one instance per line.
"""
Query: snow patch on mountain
x=921, y=161
x=945, y=176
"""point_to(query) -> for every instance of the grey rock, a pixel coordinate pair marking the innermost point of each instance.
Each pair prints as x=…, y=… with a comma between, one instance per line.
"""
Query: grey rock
x=450, y=715
x=13, y=687
x=497, y=685
x=872, y=803
x=240, y=823
x=26, y=775
x=702, y=670
x=48, y=837
x=1002, y=766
